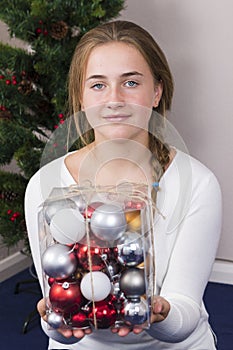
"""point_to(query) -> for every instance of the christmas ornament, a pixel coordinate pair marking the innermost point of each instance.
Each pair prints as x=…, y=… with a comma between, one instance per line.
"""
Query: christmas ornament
x=112, y=268
x=133, y=219
x=95, y=286
x=108, y=222
x=138, y=205
x=58, y=261
x=55, y=320
x=65, y=295
x=105, y=314
x=51, y=280
x=53, y=207
x=130, y=250
x=68, y=226
x=97, y=256
x=25, y=87
x=59, y=30
x=38, y=31
x=135, y=311
x=75, y=31
x=79, y=320
x=132, y=282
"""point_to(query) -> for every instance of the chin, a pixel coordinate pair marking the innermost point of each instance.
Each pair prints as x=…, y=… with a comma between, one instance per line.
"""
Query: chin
x=122, y=133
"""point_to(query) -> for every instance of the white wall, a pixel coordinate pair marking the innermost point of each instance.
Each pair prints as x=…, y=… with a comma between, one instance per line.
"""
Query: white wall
x=197, y=37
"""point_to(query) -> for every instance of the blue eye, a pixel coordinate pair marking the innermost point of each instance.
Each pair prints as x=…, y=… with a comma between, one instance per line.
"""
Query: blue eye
x=131, y=83
x=97, y=86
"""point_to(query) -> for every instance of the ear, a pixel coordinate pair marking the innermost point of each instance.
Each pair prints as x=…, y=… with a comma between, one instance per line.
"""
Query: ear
x=158, y=94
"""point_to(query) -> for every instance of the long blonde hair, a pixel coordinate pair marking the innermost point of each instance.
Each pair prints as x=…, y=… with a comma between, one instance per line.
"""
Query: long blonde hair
x=132, y=34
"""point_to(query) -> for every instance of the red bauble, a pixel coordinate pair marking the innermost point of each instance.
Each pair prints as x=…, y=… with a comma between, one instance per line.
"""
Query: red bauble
x=65, y=295
x=51, y=281
x=105, y=313
x=79, y=320
x=38, y=31
x=138, y=205
x=98, y=257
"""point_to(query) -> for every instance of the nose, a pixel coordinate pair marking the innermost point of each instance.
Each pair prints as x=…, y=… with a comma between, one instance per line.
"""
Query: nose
x=115, y=98
x=115, y=105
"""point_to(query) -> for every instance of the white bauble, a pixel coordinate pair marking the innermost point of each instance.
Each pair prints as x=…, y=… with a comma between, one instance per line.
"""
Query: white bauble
x=68, y=226
x=54, y=206
x=101, y=286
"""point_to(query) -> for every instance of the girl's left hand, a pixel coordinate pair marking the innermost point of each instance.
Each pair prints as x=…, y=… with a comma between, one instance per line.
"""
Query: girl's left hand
x=160, y=310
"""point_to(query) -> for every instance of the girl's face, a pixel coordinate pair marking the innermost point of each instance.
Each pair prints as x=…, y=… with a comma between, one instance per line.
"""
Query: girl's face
x=119, y=92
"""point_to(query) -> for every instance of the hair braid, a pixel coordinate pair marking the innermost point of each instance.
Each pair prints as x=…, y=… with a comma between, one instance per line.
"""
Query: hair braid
x=160, y=151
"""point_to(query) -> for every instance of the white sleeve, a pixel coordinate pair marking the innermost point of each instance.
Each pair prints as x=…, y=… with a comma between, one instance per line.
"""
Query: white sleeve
x=33, y=200
x=191, y=263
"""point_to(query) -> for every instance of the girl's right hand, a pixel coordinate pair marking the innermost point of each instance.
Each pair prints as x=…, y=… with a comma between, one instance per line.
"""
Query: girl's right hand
x=78, y=333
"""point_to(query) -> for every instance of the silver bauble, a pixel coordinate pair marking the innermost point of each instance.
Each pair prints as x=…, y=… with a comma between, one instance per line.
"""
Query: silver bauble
x=53, y=207
x=130, y=249
x=58, y=261
x=108, y=222
x=55, y=320
x=132, y=282
x=135, y=311
x=68, y=226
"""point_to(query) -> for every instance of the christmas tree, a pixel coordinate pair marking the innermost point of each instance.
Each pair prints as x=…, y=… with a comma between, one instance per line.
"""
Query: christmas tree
x=33, y=90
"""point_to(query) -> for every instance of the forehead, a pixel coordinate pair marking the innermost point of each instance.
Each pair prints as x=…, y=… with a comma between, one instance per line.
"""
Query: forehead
x=115, y=56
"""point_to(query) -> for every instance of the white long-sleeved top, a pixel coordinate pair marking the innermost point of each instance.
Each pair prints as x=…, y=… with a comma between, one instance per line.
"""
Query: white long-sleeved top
x=186, y=240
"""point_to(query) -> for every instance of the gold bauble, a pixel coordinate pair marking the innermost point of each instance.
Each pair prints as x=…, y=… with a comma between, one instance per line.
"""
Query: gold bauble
x=133, y=219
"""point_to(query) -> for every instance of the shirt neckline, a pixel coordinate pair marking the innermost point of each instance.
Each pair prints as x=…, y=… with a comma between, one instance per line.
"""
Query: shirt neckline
x=69, y=178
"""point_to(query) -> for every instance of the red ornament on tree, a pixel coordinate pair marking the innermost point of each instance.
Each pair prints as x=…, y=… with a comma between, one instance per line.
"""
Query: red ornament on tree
x=38, y=31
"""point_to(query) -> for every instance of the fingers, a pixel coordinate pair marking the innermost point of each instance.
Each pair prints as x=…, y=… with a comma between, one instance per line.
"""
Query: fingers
x=160, y=309
x=125, y=330
x=41, y=307
x=137, y=329
x=122, y=331
x=78, y=333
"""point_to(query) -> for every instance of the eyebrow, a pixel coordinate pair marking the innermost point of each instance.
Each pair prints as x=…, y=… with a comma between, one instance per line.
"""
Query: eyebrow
x=124, y=75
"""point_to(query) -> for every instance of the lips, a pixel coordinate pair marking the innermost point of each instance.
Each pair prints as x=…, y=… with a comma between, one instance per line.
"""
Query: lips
x=116, y=118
